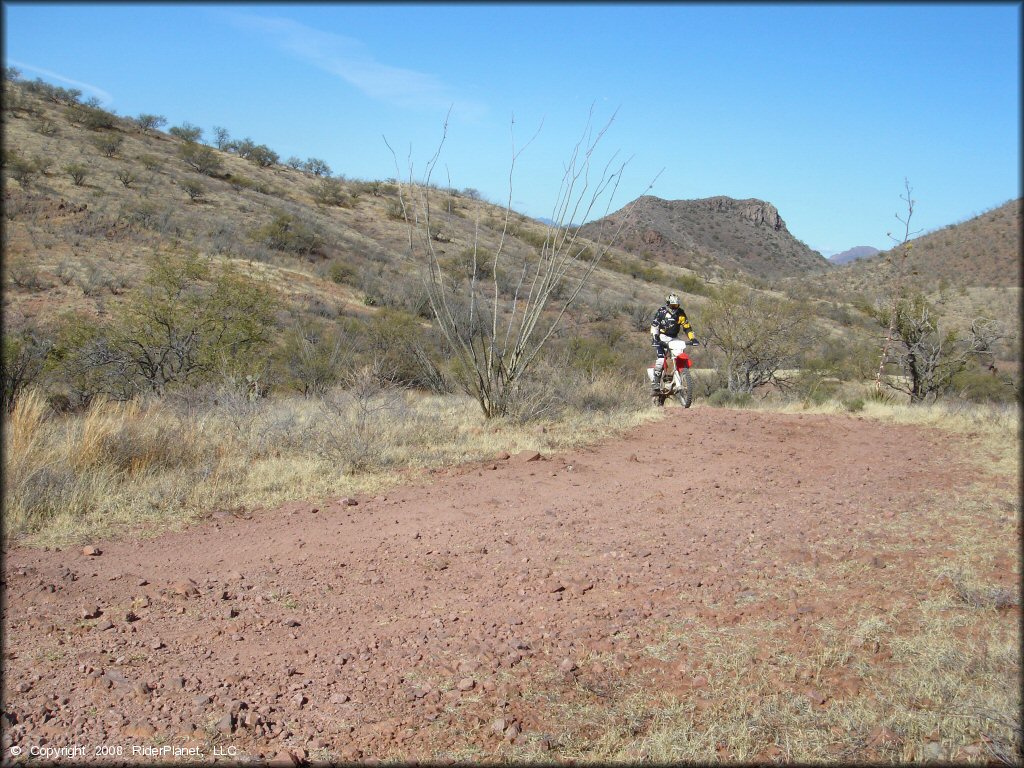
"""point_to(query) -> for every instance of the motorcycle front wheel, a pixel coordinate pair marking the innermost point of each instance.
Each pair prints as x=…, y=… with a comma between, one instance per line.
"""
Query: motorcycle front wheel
x=684, y=392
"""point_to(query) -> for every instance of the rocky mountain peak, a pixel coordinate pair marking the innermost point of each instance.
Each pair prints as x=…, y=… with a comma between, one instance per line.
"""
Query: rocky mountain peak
x=757, y=212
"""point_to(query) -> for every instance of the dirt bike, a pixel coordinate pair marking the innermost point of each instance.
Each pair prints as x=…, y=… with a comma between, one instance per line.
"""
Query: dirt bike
x=675, y=380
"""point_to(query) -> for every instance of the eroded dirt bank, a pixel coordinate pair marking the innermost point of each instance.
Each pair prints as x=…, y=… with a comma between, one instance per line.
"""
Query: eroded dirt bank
x=422, y=622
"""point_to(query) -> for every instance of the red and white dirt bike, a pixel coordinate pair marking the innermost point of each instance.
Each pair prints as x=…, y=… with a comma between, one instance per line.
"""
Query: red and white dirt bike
x=675, y=376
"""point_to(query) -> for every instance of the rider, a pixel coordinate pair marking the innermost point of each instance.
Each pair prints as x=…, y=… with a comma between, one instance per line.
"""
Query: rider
x=665, y=327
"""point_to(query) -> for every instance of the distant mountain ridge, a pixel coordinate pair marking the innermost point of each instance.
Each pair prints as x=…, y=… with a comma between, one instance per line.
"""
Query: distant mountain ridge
x=852, y=254
x=713, y=234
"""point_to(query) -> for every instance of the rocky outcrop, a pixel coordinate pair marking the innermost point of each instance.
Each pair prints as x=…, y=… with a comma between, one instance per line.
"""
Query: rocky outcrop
x=757, y=212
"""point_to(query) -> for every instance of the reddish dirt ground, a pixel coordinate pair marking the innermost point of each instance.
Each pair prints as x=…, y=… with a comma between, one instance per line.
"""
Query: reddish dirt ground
x=411, y=623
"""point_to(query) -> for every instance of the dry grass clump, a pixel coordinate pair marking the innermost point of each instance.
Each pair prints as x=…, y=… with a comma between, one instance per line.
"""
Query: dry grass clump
x=145, y=466
x=916, y=662
x=945, y=694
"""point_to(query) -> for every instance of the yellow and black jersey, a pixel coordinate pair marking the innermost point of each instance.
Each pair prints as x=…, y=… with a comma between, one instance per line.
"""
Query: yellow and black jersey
x=670, y=321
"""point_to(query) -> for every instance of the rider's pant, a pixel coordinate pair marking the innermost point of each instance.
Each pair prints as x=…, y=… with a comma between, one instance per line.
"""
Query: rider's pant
x=663, y=345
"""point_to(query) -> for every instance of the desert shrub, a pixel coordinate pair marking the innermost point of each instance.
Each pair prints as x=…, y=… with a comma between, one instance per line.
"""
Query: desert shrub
x=148, y=123
x=396, y=348
x=91, y=117
x=329, y=191
x=640, y=315
x=241, y=147
x=606, y=392
x=537, y=395
x=814, y=384
x=150, y=162
x=853, y=357
x=25, y=274
x=21, y=169
x=194, y=190
x=881, y=397
x=407, y=295
x=262, y=156
x=340, y=272
x=201, y=158
x=127, y=177
x=375, y=188
x=317, y=167
x=221, y=138
x=222, y=237
x=725, y=398
x=928, y=355
x=13, y=100
x=636, y=269
x=144, y=213
x=854, y=405
x=469, y=263
x=43, y=163
x=239, y=183
x=65, y=272
x=535, y=237
x=979, y=385
x=591, y=357
x=754, y=336
x=396, y=210
x=95, y=280
x=316, y=306
x=364, y=414
x=186, y=322
x=288, y=233
x=45, y=127
x=310, y=357
x=108, y=145
x=22, y=363
x=83, y=365
x=695, y=285
x=187, y=132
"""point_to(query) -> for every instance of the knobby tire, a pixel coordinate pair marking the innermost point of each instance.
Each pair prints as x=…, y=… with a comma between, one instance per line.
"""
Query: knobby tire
x=685, y=393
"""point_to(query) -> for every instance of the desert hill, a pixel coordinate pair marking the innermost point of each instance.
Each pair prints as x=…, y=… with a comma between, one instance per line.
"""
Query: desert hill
x=852, y=254
x=982, y=252
x=716, y=233
x=93, y=200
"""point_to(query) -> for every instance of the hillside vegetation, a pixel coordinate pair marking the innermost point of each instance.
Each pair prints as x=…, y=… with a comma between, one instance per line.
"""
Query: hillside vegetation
x=215, y=285
x=982, y=252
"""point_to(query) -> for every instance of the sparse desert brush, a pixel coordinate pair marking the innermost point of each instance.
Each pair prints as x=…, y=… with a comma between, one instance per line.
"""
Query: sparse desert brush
x=146, y=465
x=933, y=678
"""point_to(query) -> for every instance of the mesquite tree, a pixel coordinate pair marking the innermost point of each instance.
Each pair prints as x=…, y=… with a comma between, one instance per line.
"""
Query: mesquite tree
x=497, y=325
x=928, y=355
x=754, y=336
x=898, y=261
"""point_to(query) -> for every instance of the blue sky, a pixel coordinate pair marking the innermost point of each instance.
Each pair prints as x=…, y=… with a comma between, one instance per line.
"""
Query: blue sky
x=823, y=110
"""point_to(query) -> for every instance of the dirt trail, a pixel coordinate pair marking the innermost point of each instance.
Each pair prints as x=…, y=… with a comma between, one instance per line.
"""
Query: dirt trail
x=413, y=622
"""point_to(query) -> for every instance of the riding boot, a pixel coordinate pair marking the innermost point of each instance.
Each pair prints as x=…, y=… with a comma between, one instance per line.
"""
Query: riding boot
x=656, y=382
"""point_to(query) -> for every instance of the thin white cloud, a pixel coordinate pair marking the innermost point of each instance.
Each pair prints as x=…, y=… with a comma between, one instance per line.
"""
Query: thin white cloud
x=105, y=98
x=349, y=59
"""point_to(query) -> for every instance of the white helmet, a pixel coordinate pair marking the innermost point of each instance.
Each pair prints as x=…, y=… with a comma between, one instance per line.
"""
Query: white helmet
x=672, y=300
